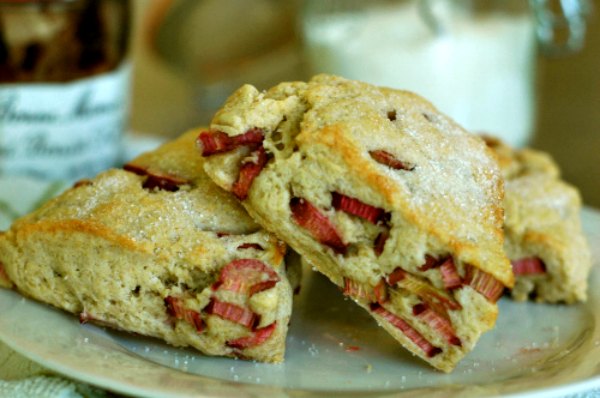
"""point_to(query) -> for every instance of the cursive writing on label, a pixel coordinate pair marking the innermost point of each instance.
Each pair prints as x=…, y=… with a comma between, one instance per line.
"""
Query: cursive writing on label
x=69, y=130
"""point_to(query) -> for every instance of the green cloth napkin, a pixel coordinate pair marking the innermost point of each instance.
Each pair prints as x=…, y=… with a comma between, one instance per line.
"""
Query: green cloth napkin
x=22, y=378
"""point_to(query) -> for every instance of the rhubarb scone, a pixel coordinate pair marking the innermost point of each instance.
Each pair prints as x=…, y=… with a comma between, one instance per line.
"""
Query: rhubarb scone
x=376, y=189
x=159, y=250
x=543, y=235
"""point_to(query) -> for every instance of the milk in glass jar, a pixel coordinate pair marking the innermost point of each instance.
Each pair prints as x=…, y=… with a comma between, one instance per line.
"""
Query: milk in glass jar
x=473, y=59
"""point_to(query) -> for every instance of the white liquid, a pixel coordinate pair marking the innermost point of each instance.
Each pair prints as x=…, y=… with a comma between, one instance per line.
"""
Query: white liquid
x=479, y=72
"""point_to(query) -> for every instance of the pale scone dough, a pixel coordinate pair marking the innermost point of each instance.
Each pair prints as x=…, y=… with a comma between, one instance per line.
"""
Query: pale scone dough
x=165, y=253
x=430, y=187
x=542, y=222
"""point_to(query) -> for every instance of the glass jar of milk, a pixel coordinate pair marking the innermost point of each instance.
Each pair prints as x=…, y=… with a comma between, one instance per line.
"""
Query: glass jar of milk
x=473, y=59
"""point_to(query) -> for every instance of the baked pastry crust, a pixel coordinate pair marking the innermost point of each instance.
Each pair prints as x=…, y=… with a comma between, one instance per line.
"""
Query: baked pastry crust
x=543, y=234
x=376, y=189
x=160, y=251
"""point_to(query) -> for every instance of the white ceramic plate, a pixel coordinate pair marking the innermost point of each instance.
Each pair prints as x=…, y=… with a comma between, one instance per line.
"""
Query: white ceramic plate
x=334, y=349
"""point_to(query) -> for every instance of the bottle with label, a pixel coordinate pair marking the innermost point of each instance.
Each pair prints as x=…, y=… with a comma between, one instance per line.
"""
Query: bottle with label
x=64, y=84
x=474, y=59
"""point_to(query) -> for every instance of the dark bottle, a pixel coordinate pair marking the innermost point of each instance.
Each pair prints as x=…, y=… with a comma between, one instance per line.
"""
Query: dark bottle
x=64, y=83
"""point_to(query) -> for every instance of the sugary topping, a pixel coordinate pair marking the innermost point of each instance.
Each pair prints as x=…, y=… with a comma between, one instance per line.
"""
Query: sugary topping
x=341, y=135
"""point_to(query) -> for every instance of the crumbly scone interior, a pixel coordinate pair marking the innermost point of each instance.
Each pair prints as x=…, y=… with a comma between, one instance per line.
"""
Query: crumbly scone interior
x=359, y=185
x=158, y=253
x=543, y=225
x=543, y=234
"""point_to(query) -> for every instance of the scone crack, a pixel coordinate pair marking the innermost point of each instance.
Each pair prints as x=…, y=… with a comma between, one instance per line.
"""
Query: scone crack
x=379, y=244
x=249, y=245
x=240, y=246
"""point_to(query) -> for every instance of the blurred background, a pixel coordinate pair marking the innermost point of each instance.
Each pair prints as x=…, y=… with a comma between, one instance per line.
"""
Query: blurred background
x=525, y=71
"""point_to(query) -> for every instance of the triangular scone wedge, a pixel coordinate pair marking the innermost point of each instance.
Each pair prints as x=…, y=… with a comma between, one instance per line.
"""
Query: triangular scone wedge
x=163, y=253
x=543, y=235
x=390, y=199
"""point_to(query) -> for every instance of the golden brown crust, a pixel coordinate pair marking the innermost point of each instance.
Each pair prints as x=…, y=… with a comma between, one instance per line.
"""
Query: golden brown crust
x=145, y=251
x=542, y=222
x=442, y=198
x=180, y=159
x=70, y=226
x=346, y=125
